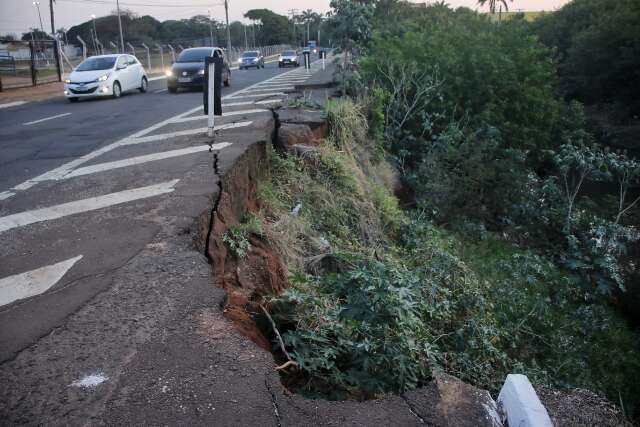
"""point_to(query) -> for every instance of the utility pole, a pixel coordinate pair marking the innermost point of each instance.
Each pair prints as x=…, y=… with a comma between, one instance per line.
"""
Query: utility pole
x=37, y=4
x=293, y=13
x=246, y=45
x=226, y=12
x=120, y=26
x=53, y=27
x=95, y=34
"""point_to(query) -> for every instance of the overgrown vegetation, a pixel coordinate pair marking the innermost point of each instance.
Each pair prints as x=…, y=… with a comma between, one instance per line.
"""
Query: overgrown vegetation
x=501, y=263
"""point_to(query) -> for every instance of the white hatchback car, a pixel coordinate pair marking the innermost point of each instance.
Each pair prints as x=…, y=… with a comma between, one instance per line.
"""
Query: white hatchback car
x=105, y=75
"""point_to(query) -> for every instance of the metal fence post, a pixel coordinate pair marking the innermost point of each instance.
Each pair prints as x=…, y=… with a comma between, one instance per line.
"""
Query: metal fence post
x=34, y=78
x=84, y=47
x=161, y=56
x=148, y=56
x=210, y=99
x=56, y=53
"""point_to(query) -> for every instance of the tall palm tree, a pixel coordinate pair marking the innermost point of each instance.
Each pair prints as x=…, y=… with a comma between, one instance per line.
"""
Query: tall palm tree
x=492, y=4
x=308, y=16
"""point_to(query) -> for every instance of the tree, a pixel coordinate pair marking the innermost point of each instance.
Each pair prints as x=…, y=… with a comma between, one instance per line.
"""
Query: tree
x=351, y=24
x=492, y=4
x=35, y=34
x=274, y=28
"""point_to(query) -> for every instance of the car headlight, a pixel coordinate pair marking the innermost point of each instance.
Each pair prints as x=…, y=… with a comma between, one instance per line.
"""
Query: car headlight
x=280, y=58
x=168, y=73
x=103, y=78
x=67, y=81
x=255, y=59
x=201, y=72
x=240, y=61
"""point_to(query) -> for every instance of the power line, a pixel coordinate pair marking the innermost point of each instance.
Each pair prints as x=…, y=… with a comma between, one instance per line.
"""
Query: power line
x=107, y=2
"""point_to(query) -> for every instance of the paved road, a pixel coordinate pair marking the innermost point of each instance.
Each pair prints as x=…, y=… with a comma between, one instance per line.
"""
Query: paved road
x=81, y=185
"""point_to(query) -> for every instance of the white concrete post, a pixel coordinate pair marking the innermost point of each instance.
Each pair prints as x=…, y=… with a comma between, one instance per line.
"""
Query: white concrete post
x=84, y=47
x=148, y=56
x=520, y=403
x=100, y=45
x=133, y=49
x=113, y=45
x=161, y=56
x=180, y=47
x=210, y=99
x=173, y=53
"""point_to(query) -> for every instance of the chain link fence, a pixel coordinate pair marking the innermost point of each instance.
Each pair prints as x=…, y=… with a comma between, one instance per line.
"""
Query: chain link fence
x=30, y=63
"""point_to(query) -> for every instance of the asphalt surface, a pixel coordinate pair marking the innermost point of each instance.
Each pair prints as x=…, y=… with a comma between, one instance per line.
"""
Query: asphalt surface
x=68, y=227
x=108, y=310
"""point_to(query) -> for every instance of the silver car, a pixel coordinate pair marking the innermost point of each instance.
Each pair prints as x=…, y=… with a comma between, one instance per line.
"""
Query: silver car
x=288, y=57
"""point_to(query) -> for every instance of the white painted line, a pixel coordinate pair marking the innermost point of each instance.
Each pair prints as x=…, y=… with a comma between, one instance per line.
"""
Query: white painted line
x=254, y=95
x=227, y=114
x=240, y=103
x=102, y=167
x=151, y=138
x=57, y=116
x=153, y=79
x=34, y=282
x=266, y=89
x=58, y=211
x=160, y=91
x=67, y=167
x=6, y=194
x=13, y=104
x=268, y=101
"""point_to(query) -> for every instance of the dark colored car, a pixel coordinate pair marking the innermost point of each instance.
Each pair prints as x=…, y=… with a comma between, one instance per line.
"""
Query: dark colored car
x=251, y=58
x=288, y=57
x=188, y=70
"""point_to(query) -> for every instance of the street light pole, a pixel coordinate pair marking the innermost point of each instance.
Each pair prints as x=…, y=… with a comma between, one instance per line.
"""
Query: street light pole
x=120, y=27
x=37, y=4
x=210, y=28
x=226, y=12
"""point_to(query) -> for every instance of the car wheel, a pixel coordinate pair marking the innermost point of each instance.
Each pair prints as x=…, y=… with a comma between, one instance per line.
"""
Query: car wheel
x=117, y=90
x=143, y=85
x=172, y=89
x=73, y=99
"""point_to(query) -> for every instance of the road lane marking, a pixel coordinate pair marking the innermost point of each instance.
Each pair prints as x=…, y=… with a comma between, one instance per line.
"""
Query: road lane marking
x=227, y=114
x=13, y=104
x=254, y=95
x=59, y=211
x=153, y=79
x=64, y=169
x=67, y=167
x=187, y=132
x=237, y=104
x=160, y=91
x=57, y=116
x=34, y=282
x=6, y=194
x=131, y=161
x=267, y=89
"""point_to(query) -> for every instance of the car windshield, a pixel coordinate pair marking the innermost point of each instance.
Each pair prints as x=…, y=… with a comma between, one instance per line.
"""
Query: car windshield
x=288, y=53
x=250, y=54
x=93, y=64
x=194, y=55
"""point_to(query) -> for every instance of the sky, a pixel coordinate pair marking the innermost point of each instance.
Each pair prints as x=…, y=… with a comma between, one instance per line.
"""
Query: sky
x=17, y=16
